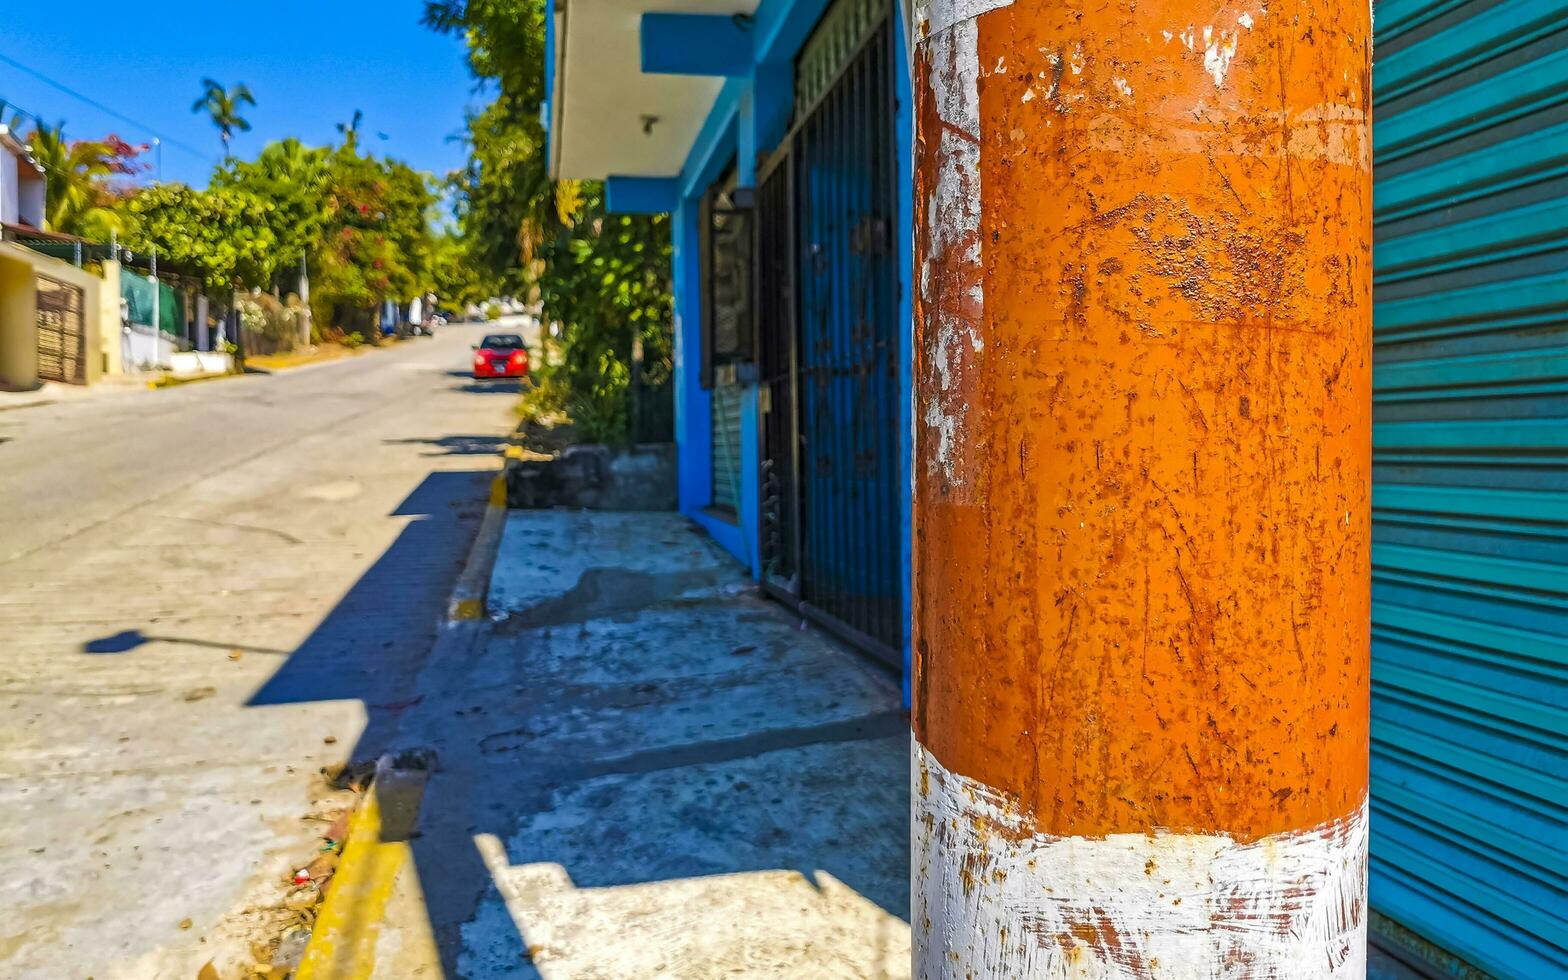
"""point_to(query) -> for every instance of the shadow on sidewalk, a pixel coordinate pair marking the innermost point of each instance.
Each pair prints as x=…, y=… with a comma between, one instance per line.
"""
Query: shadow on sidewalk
x=645, y=770
x=373, y=643
x=648, y=771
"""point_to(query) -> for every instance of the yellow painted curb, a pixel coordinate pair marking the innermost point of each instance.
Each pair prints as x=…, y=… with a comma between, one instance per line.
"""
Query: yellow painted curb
x=170, y=381
x=470, y=594
x=343, y=943
x=289, y=361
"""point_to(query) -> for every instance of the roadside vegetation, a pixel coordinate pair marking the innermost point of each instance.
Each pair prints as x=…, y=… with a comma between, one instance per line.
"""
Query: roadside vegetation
x=365, y=229
x=601, y=280
x=368, y=229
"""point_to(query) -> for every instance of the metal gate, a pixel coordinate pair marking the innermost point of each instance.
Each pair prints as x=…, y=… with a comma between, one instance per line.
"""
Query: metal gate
x=779, y=513
x=830, y=520
x=1470, y=483
x=62, y=354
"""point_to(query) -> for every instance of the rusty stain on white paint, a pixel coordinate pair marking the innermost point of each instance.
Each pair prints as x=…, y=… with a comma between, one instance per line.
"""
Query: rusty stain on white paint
x=995, y=898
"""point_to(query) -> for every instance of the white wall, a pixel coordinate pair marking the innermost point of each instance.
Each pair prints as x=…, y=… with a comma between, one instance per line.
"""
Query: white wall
x=30, y=200
x=145, y=349
x=8, y=191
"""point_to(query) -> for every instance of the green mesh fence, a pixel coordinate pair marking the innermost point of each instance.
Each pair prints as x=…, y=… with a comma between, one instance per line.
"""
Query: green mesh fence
x=137, y=291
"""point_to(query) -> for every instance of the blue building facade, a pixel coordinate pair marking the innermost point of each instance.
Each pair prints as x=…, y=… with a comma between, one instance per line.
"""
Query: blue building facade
x=778, y=135
x=793, y=257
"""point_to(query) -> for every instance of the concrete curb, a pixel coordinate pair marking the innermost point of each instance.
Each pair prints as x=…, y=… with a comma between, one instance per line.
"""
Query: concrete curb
x=252, y=367
x=343, y=941
x=170, y=381
x=473, y=586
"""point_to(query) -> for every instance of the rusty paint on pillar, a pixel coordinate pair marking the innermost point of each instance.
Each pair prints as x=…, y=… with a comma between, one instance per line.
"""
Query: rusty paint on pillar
x=1142, y=476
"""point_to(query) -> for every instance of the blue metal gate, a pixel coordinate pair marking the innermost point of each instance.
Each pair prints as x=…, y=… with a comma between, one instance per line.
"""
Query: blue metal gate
x=1470, y=492
x=836, y=473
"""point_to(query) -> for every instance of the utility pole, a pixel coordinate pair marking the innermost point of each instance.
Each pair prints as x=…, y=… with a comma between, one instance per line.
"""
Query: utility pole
x=152, y=277
x=1142, y=489
x=304, y=299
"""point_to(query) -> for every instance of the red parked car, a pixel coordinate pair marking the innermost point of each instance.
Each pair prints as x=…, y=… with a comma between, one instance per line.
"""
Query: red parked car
x=501, y=355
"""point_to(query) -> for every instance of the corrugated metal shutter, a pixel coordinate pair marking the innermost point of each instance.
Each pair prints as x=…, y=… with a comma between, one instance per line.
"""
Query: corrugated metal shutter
x=725, y=409
x=1470, y=493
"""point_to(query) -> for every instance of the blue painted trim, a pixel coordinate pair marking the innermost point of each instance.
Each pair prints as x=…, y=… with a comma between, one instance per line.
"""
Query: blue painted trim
x=904, y=134
x=746, y=138
x=695, y=44
x=780, y=27
x=715, y=142
x=549, y=83
x=729, y=535
x=764, y=116
x=693, y=419
x=640, y=195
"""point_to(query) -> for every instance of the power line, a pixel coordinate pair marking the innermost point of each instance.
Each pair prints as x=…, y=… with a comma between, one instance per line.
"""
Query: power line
x=207, y=157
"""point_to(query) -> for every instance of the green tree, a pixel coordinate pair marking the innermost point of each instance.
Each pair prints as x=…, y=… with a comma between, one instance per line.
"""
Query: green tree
x=456, y=277
x=80, y=193
x=362, y=224
x=608, y=288
x=223, y=234
x=604, y=279
x=223, y=106
x=375, y=239
x=292, y=178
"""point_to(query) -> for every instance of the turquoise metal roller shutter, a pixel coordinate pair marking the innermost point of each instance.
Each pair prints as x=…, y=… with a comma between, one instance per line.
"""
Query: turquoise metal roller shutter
x=725, y=406
x=1470, y=489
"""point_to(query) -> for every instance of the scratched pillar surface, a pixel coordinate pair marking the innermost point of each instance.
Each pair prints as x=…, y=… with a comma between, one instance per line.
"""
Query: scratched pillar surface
x=1142, y=488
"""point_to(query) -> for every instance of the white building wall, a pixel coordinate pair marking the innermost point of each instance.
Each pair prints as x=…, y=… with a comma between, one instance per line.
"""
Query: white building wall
x=30, y=201
x=9, y=203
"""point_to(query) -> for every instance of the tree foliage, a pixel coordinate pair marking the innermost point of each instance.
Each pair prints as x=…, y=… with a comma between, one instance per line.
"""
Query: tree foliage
x=223, y=234
x=607, y=284
x=457, y=279
x=603, y=279
x=375, y=236
x=292, y=177
x=82, y=180
x=361, y=223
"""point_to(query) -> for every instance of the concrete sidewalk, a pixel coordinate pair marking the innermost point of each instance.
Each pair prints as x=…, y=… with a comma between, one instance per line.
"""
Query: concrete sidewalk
x=644, y=770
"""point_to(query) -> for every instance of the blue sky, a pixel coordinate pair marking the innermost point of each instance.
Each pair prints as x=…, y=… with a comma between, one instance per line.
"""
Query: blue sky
x=309, y=64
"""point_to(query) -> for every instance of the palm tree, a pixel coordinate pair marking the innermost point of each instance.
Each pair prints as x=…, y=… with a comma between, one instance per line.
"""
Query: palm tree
x=350, y=130
x=223, y=105
x=78, y=197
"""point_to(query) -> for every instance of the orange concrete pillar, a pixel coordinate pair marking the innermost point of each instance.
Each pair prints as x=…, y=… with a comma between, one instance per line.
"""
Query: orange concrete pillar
x=1142, y=514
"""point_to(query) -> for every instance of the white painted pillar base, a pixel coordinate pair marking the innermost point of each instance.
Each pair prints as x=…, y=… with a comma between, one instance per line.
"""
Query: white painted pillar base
x=993, y=898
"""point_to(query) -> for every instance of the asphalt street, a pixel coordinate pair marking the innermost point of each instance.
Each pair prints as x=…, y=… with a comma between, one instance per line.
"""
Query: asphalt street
x=204, y=593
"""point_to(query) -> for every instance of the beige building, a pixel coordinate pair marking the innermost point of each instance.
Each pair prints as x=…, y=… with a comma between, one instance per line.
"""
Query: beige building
x=57, y=322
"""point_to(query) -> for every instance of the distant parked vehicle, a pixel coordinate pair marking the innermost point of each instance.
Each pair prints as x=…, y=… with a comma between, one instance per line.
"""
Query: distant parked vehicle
x=501, y=355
